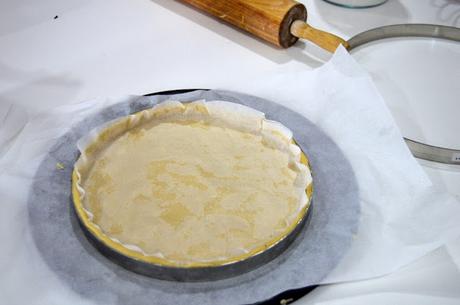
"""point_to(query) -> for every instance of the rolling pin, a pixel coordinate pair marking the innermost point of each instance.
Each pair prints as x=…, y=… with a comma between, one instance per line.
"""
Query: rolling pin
x=280, y=22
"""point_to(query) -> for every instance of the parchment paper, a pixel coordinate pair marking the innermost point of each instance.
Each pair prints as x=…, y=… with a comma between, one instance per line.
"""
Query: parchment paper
x=334, y=218
x=403, y=217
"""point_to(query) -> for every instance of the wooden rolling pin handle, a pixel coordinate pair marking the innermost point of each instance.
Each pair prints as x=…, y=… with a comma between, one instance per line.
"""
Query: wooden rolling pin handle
x=325, y=40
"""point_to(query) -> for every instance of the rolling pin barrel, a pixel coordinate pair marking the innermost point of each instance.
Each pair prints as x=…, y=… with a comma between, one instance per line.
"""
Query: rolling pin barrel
x=269, y=20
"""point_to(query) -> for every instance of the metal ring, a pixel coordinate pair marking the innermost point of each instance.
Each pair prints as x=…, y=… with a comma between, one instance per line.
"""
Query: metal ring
x=418, y=149
x=159, y=270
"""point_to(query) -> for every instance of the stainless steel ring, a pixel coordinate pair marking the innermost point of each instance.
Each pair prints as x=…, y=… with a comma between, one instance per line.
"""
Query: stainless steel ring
x=418, y=149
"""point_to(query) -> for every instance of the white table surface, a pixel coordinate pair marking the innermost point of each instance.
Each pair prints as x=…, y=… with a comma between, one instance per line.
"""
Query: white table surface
x=98, y=48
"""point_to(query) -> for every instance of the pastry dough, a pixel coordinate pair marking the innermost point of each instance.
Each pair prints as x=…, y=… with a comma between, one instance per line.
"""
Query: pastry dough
x=194, y=183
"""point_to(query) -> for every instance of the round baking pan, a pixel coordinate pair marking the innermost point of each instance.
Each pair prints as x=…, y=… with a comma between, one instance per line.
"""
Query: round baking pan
x=153, y=267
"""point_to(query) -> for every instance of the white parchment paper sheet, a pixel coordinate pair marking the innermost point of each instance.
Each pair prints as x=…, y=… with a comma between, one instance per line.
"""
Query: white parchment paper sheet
x=403, y=216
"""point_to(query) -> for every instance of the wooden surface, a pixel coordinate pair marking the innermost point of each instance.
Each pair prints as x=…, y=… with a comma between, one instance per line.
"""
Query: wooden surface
x=269, y=20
